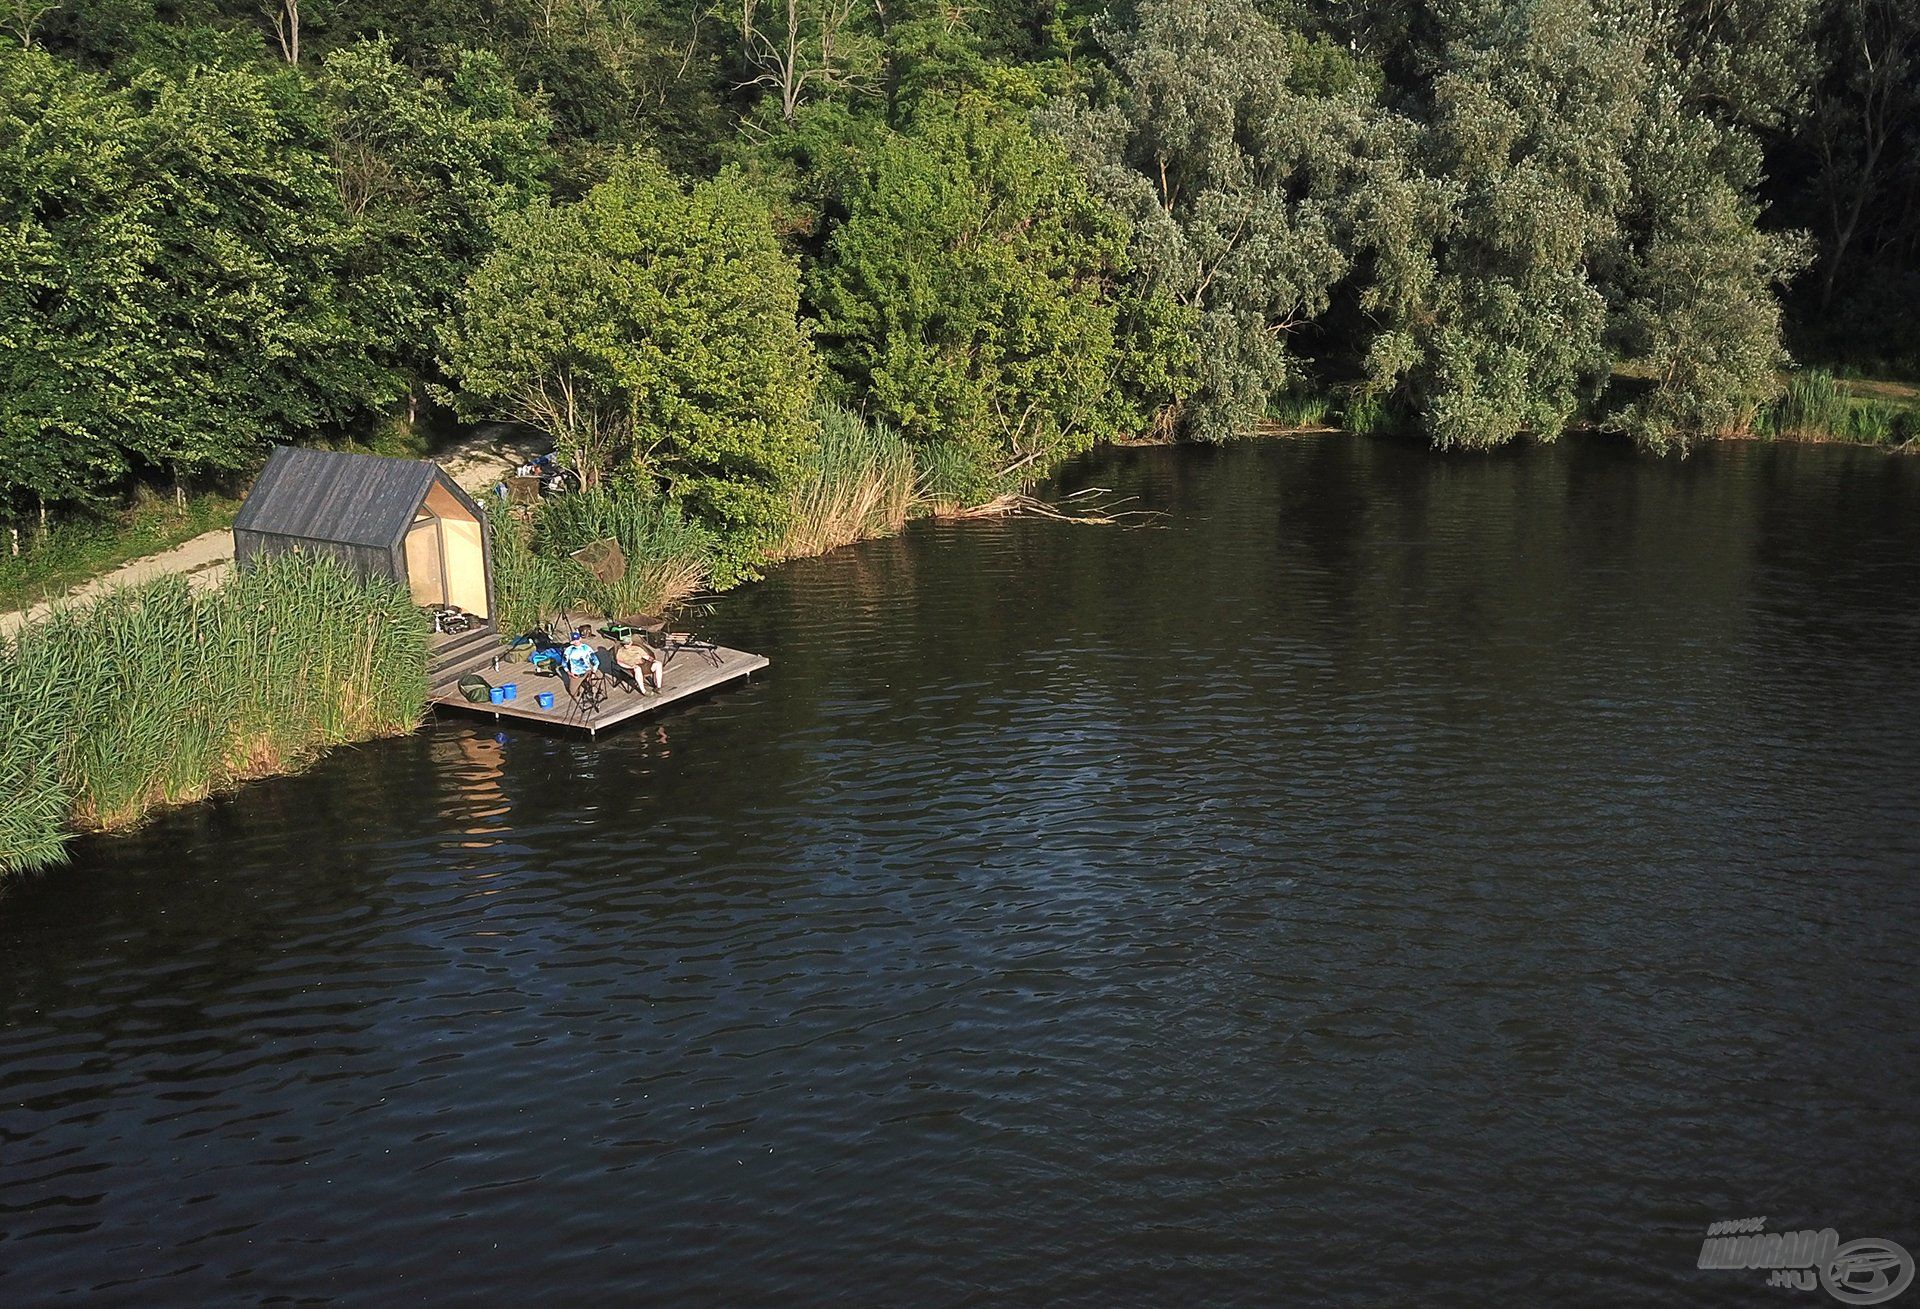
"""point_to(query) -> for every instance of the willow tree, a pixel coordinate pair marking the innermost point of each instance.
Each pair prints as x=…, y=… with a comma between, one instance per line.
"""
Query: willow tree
x=1236, y=187
x=1581, y=208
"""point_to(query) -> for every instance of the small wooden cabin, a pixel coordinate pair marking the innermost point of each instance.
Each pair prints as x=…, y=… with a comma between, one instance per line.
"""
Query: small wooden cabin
x=403, y=519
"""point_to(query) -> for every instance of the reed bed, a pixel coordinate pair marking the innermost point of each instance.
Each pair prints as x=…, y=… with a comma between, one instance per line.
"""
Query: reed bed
x=1813, y=405
x=668, y=556
x=34, y=799
x=536, y=579
x=161, y=694
x=1817, y=406
x=527, y=587
x=954, y=477
x=861, y=484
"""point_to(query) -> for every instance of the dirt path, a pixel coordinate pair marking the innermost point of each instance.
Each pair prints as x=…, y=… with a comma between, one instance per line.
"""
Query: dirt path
x=476, y=464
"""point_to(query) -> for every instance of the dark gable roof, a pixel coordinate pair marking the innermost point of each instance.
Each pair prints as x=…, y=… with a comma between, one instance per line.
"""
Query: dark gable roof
x=321, y=495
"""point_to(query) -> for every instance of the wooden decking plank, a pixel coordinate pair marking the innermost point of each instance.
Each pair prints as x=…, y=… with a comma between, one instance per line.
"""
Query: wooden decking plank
x=689, y=674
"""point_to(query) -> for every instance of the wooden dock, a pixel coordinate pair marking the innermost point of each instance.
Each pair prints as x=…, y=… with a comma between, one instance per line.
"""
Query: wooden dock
x=691, y=670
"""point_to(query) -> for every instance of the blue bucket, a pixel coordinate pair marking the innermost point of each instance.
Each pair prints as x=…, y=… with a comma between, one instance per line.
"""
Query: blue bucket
x=497, y=694
x=545, y=699
x=512, y=690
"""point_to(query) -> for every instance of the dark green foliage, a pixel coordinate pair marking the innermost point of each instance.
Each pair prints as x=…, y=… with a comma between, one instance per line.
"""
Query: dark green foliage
x=613, y=72
x=70, y=255
x=249, y=274
x=220, y=228
x=423, y=168
x=174, y=292
x=653, y=328
x=966, y=296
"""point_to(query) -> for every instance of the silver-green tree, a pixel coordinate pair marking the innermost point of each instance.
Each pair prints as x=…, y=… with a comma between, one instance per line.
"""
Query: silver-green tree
x=1236, y=186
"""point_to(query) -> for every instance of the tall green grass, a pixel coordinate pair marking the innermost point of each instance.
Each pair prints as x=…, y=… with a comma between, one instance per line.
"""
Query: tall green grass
x=1818, y=406
x=1367, y=413
x=160, y=694
x=859, y=484
x=34, y=797
x=1813, y=405
x=956, y=475
x=528, y=588
x=861, y=481
x=535, y=578
x=1300, y=407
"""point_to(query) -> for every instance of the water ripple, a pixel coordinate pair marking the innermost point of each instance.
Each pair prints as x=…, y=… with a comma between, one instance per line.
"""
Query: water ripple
x=1395, y=879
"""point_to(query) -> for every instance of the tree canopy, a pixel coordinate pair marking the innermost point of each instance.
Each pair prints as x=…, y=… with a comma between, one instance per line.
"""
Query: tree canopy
x=967, y=294
x=1011, y=229
x=653, y=328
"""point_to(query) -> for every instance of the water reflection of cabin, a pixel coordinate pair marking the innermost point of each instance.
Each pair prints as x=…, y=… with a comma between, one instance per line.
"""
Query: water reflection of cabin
x=403, y=519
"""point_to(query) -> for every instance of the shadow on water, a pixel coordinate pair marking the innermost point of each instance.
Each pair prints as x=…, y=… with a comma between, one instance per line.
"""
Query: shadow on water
x=1388, y=878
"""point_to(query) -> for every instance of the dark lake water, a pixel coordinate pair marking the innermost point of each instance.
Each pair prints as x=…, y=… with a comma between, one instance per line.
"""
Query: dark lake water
x=1392, y=879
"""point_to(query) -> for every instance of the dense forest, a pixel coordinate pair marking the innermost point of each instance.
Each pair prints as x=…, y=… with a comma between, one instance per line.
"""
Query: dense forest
x=680, y=239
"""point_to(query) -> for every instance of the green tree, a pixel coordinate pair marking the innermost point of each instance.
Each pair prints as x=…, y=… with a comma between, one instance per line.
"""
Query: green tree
x=1694, y=283
x=1236, y=187
x=175, y=299
x=967, y=295
x=1495, y=328
x=423, y=168
x=71, y=246
x=246, y=296
x=1699, y=317
x=653, y=326
x=1576, y=198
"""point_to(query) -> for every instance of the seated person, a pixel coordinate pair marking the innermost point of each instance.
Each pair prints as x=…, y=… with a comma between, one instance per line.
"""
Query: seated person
x=641, y=662
x=578, y=662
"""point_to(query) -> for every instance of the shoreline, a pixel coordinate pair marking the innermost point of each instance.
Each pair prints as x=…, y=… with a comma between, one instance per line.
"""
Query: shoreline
x=1271, y=430
x=285, y=762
